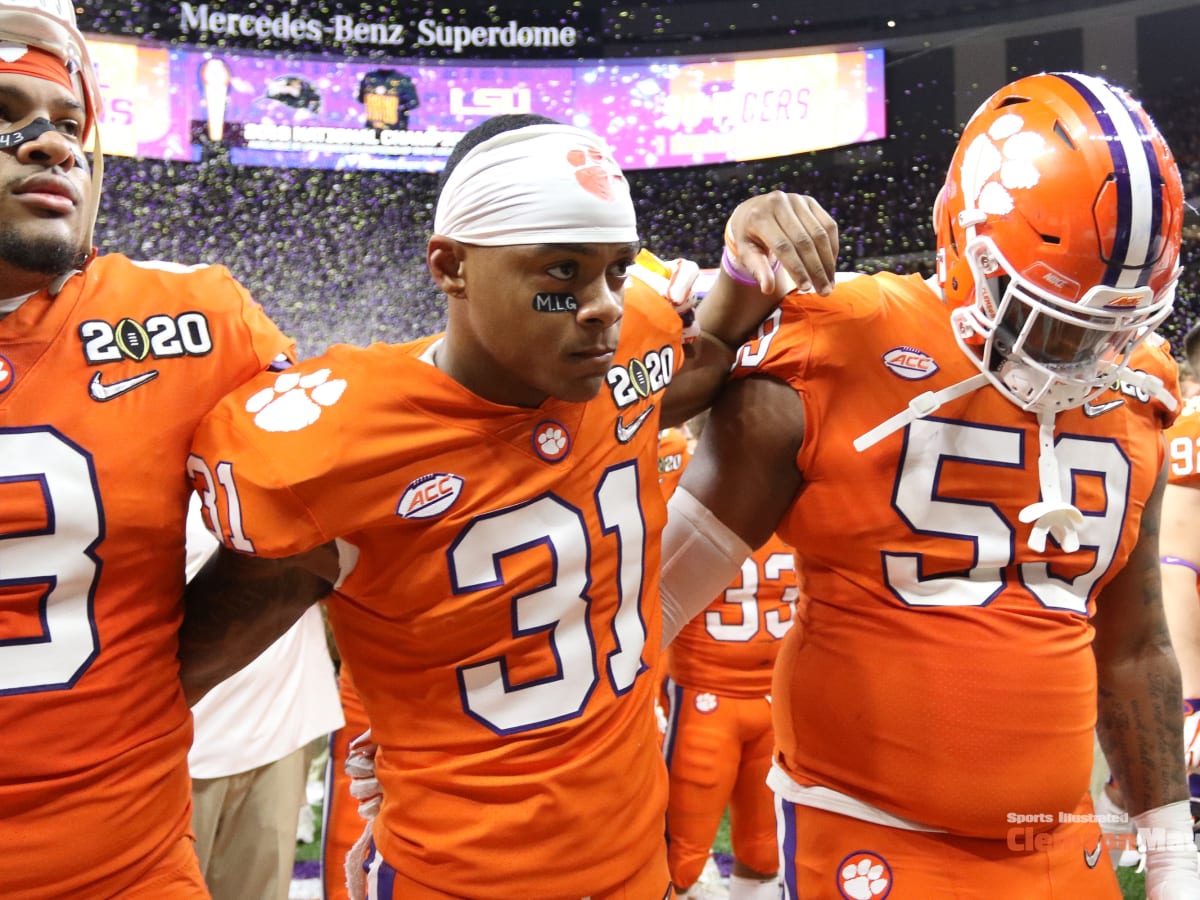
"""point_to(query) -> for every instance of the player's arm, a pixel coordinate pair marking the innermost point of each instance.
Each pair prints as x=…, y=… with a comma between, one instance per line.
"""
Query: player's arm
x=1140, y=720
x=238, y=605
x=773, y=242
x=1179, y=545
x=735, y=490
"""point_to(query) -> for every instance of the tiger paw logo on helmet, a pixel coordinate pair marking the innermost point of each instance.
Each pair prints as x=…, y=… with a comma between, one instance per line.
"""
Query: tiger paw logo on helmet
x=1000, y=161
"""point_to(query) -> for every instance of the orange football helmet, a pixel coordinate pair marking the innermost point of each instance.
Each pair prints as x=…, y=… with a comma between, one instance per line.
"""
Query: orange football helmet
x=1058, y=234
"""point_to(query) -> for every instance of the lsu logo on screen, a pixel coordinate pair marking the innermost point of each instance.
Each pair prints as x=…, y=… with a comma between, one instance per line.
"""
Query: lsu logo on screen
x=160, y=337
x=490, y=101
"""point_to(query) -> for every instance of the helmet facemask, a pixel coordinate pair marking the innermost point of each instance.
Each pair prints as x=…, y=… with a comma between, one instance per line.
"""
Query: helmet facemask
x=1043, y=353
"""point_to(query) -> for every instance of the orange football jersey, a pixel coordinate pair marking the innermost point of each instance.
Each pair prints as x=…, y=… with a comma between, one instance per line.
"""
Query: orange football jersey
x=1183, y=445
x=942, y=670
x=730, y=648
x=101, y=389
x=673, y=455
x=499, y=604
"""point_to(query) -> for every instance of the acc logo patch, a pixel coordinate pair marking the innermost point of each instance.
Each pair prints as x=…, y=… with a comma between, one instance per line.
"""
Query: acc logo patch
x=910, y=363
x=6, y=374
x=429, y=496
x=864, y=875
x=551, y=441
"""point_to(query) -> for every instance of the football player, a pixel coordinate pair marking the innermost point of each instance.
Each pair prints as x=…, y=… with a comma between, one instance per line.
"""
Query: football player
x=719, y=736
x=1180, y=548
x=106, y=366
x=971, y=469
x=492, y=494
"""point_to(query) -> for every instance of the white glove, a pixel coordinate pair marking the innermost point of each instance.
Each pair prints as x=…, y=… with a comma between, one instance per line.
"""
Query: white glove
x=364, y=787
x=1172, y=864
x=360, y=766
x=1191, y=739
x=676, y=281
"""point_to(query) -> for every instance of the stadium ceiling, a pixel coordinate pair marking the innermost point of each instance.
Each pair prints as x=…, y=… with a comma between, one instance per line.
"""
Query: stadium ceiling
x=767, y=23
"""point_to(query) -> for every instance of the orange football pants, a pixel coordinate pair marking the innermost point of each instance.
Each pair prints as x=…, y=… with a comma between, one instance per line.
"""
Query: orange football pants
x=176, y=876
x=718, y=751
x=827, y=856
x=341, y=824
x=651, y=882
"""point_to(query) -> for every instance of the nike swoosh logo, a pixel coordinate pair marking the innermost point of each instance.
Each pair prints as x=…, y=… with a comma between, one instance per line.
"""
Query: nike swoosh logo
x=104, y=392
x=1091, y=857
x=625, y=432
x=1091, y=410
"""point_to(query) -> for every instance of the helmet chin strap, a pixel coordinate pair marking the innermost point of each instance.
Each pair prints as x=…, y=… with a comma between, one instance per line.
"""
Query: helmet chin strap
x=1051, y=515
x=919, y=407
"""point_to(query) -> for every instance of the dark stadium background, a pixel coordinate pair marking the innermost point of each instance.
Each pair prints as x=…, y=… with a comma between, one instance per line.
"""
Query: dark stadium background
x=339, y=256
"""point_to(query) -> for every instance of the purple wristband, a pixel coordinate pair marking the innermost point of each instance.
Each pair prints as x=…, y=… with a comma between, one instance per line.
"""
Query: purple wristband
x=1177, y=561
x=735, y=271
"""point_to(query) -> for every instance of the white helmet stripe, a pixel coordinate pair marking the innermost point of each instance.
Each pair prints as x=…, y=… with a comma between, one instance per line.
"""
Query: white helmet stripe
x=1139, y=203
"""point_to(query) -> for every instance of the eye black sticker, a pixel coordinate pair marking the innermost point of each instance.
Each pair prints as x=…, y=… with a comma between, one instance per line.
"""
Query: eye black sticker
x=554, y=303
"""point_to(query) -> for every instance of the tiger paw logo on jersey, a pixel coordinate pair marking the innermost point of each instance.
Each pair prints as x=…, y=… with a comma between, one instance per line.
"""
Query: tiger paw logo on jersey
x=295, y=400
x=551, y=441
x=706, y=703
x=6, y=374
x=864, y=876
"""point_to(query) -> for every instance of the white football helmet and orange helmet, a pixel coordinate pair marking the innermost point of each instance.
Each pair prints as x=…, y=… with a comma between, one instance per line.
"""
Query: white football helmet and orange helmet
x=1058, y=235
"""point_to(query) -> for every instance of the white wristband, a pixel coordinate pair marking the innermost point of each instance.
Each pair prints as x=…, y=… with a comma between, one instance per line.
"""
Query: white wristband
x=700, y=557
x=1172, y=864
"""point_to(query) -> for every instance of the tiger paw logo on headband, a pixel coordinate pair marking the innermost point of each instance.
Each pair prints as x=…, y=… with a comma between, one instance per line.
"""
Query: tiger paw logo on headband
x=598, y=173
x=1008, y=152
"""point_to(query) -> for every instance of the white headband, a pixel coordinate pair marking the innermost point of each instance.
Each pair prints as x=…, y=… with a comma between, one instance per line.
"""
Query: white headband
x=542, y=184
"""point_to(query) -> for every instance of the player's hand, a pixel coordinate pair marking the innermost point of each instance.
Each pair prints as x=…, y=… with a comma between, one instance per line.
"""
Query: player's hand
x=360, y=766
x=1191, y=740
x=788, y=230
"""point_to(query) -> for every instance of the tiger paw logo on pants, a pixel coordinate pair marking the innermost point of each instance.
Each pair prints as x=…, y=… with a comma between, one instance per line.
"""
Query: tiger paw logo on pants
x=999, y=162
x=864, y=876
